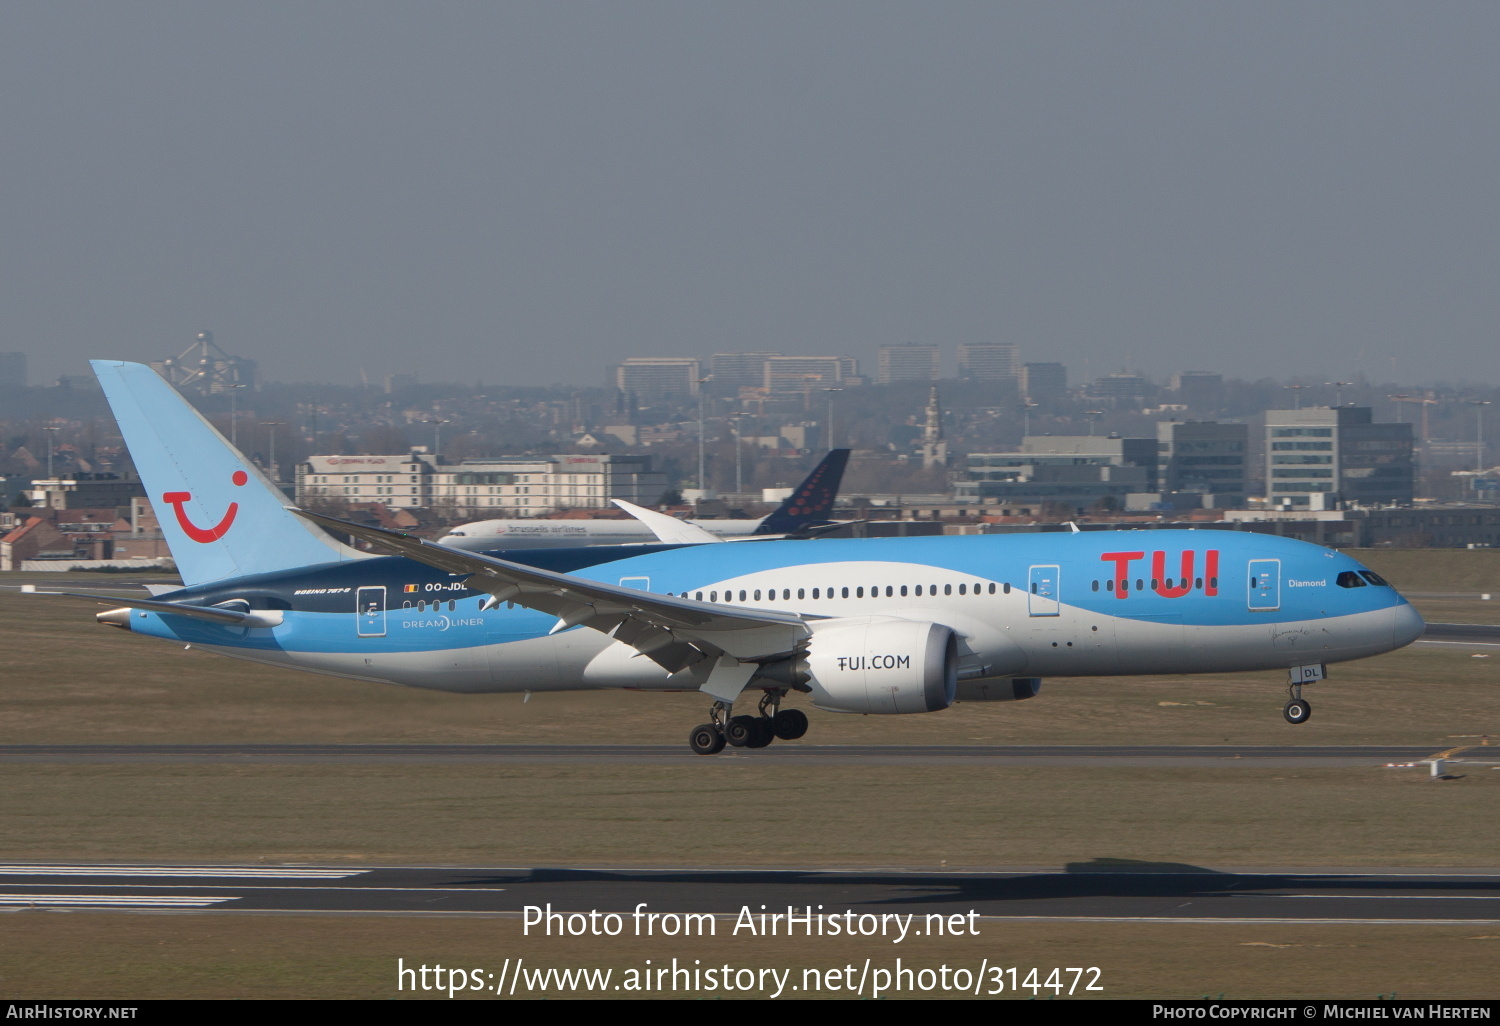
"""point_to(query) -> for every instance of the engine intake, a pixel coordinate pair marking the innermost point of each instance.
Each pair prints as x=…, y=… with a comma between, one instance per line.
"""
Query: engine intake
x=882, y=665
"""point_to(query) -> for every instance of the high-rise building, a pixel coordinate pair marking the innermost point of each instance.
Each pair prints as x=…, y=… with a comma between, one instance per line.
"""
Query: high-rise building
x=1205, y=457
x=989, y=362
x=1121, y=387
x=655, y=379
x=12, y=372
x=1044, y=382
x=792, y=374
x=912, y=362
x=734, y=371
x=1199, y=390
x=1319, y=457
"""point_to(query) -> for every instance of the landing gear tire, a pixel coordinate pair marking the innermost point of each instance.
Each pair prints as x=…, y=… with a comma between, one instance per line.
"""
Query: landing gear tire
x=707, y=739
x=1297, y=710
x=790, y=724
x=764, y=734
x=740, y=731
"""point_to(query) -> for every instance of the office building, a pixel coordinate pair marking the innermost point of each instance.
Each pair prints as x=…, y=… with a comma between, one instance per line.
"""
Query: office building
x=522, y=486
x=734, y=371
x=1044, y=382
x=990, y=362
x=658, y=379
x=907, y=363
x=1317, y=458
x=1205, y=457
x=800, y=374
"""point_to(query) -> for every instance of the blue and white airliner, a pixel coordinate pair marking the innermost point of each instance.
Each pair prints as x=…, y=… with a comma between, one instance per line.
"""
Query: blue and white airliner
x=899, y=625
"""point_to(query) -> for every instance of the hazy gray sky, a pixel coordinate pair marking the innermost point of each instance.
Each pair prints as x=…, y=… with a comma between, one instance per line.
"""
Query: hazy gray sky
x=522, y=192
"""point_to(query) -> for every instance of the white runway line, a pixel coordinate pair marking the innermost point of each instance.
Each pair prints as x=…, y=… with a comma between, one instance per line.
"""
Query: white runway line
x=213, y=872
x=106, y=901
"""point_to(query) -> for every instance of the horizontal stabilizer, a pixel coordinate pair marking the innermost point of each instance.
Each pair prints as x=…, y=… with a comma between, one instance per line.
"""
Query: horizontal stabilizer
x=212, y=614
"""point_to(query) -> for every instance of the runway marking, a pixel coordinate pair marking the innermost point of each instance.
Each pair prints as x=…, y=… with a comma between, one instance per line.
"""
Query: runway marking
x=193, y=871
x=1397, y=897
x=107, y=901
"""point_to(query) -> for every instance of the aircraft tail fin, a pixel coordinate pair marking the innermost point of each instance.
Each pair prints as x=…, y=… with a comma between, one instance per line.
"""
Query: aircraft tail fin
x=220, y=515
x=811, y=502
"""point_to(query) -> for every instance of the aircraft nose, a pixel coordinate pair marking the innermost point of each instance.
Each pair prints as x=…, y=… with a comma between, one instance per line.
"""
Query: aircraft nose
x=1407, y=625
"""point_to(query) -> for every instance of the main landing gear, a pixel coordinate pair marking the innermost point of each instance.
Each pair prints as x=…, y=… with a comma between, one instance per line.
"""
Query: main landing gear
x=757, y=731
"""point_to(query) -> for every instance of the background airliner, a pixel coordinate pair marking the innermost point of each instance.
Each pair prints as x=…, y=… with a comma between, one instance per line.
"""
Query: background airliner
x=805, y=512
x=887, y=626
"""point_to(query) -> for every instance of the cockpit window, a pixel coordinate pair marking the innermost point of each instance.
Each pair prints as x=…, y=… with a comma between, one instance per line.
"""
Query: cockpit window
x=1374, y=578
x=1349, y=579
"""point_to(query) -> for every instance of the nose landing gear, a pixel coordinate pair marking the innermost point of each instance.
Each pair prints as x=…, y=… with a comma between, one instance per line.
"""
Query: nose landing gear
x=1297, y=708
x=757, y=731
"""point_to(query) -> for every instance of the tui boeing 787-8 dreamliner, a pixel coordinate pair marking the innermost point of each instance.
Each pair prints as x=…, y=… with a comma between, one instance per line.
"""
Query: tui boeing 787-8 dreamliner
x=890, y=626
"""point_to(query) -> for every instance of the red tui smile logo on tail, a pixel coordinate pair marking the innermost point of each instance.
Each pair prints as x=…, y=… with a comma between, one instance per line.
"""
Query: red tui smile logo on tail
x=192, y=530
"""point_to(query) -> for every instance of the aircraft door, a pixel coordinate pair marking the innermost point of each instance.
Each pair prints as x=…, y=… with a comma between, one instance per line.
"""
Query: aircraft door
x=1043, y=591
x=1264, y=585
x=370, y=610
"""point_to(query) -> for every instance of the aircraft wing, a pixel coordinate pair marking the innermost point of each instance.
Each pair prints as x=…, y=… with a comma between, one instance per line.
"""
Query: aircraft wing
x=673, y=632
x=212, y=614
x=668, y=529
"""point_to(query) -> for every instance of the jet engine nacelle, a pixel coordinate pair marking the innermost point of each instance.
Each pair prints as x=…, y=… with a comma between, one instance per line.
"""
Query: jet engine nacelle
x=882, y=665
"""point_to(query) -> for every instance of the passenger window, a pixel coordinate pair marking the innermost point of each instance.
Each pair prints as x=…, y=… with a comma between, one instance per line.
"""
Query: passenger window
x=1124, y=586
x=992, y=588
x=452, y=606
x=1007, y=587
x=1213, y=582
x=406, y=604
x=859, y=593
x=757, y=595
x=947, y=589
x=919, y=590
x=1198, y=583
x=815, y=593
x=1096, y=585
x=1139, y=584
x=742, y=594
x=713, y=596
x=1374, y=578
x=700, y=596
x=1155, y=583
x=963, y=589
x=801, y=593
x=903, y=591
x=845, y=593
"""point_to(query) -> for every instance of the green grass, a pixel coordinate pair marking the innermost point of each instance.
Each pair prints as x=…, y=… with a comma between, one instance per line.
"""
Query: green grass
x=734, y=813
x=133, y=957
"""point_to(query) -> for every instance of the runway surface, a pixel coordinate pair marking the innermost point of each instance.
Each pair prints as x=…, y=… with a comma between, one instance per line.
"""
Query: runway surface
x=1147, y=892
x=1264, y=756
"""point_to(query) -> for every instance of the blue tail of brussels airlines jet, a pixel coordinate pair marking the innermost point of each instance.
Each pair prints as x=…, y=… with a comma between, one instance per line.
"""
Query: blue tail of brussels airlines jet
x=812, y=503
x=878, y=625
x=221, y=517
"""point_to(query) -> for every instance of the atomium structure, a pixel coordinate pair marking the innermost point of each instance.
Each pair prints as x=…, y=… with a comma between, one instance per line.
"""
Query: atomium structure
x=206, y=369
